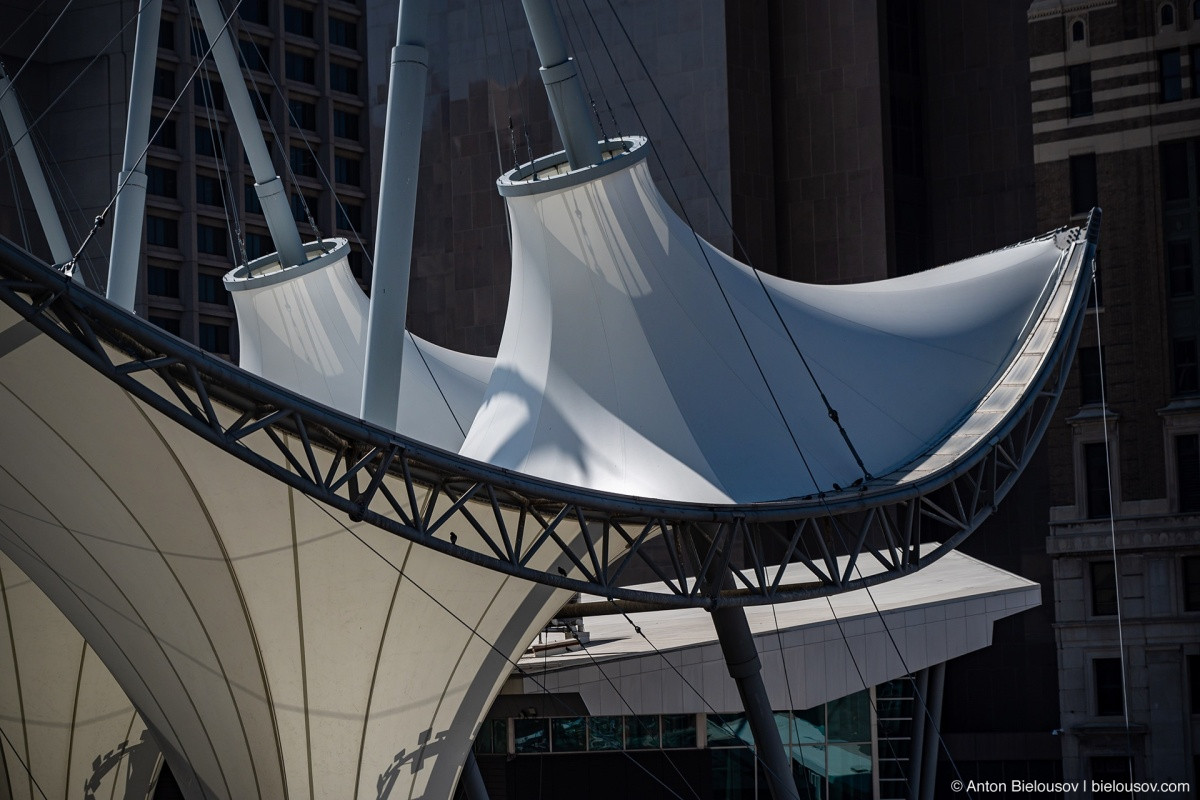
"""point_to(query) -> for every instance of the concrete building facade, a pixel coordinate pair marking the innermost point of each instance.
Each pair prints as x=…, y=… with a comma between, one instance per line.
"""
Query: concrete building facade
x=1116, y=110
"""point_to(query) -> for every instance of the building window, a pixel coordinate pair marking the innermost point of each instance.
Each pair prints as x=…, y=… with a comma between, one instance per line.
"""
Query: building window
x=343, y=78
x=1110, y=694
x=1170, y=77
x=258, y=245
x=1079, y=78
x=1184, y=373
x=1196, y=10
x=250, y=195
x=211, y=240
x=298, y=21
x=1098, y=501
x=1191, y=583
x=1187, y=471
x=1193, y=667
x=302, y=206
x=210, y=95
x=162, y=132
x=162, y=281
x=1181, y=269
x=349, y=216
x=251, y=55
x=1110, y=770
x=208, y=191
x=255, y=11
x=161, y=181
x=301, y=161
x=1078, y=31
x=166, y=34
x=205, y=141
x=164, y=82
x=168, y=324
x=303, y=114
x=162, y=231
x=1166, y=16
x=211, y=289
x=214, y=338
x=1084, y=196
x=345, y=123
x=355, y=259
x=299, y=67
x=346, y=169
x=1104, y=588
x=1091, y=376
x=343, y=32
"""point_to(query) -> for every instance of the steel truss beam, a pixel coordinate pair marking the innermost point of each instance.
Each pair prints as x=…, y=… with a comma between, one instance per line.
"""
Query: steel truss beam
x=509, y=522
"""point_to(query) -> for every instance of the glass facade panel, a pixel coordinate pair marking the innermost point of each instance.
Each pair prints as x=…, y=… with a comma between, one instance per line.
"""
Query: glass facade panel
x=604, y=733
x=733, y=773
x=728, y=730
x=849, y=768
x=568, y=734
x=809, y=772
x=678, y=730
x=850, y=719
x=641, y=733
x=532, y=735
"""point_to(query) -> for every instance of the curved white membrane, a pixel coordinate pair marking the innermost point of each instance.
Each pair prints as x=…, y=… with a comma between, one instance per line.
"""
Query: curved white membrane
x=627, y=367
x=304, y=328
x=275, y=648
x=67, y=728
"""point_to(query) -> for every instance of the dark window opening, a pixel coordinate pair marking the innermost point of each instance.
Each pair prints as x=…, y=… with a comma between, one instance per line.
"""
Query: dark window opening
x=302, y=206
x=210, y=95
x=347, y=170
x=1191, y=583
x=1080, y=80
x=211, y=289
x=211, y=240
x=162, y=281
x=1083, y=183
x=1091, y=376
x=208, y=191
x=343, y=78
x=1104, y=588
x=214, y=338
x=1110, y=694
x=255, y=11
x=1077, y=31
x=162, y=132
x=349, y=216
x=251, y=56
x=161, y=181
x=1170, y=77
x=258, y=245
x=1193, y=667
x=343, y=32
x=250, y=195
x=1166, y=15
x=1187, y=471
x=302, y=162
x=205, y=142
x=164, y=83
x=298, y=21
x=304, y=114
x=162, y=231
x=168, y=324
x=345, y=123
x=299, y=67
x=1181, y=272
x=1095, y=474
x=166, y=34
x=1184, y=369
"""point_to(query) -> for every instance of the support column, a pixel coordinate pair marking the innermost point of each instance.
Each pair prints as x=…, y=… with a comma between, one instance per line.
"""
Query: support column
x=472, y=779
x=741, y=656
x=563, y=86
x=31, y=168
x=266, y=183
x=933, y=724
x=397, y=208
x=129, y=212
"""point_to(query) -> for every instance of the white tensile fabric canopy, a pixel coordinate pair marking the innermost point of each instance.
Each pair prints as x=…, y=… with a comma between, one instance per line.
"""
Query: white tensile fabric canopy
x=275, y=648
x=65, y=724
x=636, y=358
x=304, y=328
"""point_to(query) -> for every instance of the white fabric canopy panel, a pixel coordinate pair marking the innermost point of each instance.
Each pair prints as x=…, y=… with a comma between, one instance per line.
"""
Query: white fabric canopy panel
x=304, y=328
x=637, y=359
x=275, y=648
x=66, y=728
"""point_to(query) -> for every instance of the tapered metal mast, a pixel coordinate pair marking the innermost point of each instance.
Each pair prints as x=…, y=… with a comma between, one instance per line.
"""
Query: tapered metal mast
x=397, y=207
x=267, y=184
x=129, y=212
x=563, y=86
x=31, y=168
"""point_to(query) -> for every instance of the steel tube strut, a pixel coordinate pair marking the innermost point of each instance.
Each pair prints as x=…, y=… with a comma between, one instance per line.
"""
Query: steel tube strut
x=266, y=183
x=472, y=779
x=397, y=207
x=125, y=256
x=933, y=724
x=563, y=86
x=741, y=656
x=31, y=168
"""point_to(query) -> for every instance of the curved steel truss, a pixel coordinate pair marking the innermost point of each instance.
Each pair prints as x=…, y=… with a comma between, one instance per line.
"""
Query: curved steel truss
x=511, y=522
